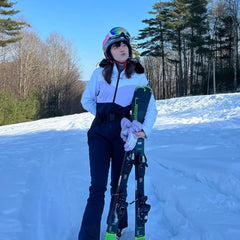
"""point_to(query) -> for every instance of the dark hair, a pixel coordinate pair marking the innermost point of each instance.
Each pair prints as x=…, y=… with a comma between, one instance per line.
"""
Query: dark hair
x=131, y=67
x=118, y=43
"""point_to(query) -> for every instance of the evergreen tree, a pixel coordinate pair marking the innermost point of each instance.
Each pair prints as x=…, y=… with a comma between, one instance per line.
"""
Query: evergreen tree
x=155, y=38
x=198, y=34
x=178, y=14
x=9, y=28
x=225, y=32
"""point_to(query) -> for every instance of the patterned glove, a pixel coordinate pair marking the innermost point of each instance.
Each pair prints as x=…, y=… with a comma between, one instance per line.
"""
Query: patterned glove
x=131, y=142
x=125, y=125
x=127, y=133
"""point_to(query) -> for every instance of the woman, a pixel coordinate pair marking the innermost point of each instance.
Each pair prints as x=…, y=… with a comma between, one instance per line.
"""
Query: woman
x=108, y=96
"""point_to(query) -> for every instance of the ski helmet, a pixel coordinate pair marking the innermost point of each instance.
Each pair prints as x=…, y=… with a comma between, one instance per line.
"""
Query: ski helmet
x=116, y=34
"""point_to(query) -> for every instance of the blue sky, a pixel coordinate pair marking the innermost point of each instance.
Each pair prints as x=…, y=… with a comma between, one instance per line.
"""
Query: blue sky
x=85, y=23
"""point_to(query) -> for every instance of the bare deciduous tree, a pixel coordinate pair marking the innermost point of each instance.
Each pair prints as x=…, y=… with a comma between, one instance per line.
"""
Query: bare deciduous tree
x=48, y=68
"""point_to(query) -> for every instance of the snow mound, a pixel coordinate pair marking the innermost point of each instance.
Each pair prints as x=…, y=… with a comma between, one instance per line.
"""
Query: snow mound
x=192, y=182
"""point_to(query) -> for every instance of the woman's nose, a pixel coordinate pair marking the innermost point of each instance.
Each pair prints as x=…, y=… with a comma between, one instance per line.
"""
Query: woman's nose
x=121, y=47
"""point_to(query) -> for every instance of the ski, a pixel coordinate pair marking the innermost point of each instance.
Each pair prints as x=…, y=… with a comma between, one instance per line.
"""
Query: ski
x=135, y=157
x=119, y=203
x=141, y=207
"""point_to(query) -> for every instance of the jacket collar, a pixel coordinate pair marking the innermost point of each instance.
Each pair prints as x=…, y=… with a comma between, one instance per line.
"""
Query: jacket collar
x=116, y=72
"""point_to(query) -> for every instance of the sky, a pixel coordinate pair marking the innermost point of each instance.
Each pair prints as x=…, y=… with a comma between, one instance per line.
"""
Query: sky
x=85, y=23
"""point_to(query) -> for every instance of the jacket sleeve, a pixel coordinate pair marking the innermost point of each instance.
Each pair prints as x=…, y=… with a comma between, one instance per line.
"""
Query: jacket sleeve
x=90, y=93
x=151, y=113
x=150, y=117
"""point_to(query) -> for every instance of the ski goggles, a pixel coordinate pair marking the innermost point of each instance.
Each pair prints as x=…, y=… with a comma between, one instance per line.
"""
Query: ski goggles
x=117, y=32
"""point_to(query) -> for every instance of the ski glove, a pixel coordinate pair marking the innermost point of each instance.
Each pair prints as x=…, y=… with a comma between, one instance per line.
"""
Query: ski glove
x=125, y=125
x=127, y=133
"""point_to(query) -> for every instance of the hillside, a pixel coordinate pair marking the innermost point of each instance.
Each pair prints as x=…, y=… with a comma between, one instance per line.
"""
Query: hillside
x=193, y=179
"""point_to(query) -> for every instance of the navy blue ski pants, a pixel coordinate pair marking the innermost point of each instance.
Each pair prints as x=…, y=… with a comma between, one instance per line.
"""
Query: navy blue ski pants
x=105, y=150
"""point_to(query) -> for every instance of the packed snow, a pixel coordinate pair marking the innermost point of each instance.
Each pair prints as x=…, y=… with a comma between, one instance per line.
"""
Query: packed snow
x=193, y=178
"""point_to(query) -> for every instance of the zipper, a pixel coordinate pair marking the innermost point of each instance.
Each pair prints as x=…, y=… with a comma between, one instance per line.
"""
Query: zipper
x=116, y=88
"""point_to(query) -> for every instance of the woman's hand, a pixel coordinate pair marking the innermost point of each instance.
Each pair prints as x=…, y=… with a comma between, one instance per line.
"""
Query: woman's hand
x=140, y=134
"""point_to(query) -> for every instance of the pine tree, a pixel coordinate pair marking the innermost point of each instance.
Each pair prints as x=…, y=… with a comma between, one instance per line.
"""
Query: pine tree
x=198, y=33
x=155, y=38
x=178, y=14
x=9, y=29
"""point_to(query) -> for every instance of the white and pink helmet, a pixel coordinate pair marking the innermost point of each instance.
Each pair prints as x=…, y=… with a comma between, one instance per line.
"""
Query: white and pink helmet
x=116, y=34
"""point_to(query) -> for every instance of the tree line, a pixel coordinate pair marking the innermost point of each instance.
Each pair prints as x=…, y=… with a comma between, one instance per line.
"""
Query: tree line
x=38, y=79
x=187, y=44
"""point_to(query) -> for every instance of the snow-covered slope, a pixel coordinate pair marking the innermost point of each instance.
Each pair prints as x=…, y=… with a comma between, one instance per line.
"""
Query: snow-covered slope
x=193, y=179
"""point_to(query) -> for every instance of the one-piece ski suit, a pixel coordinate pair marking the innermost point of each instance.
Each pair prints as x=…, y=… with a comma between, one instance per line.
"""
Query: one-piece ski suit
x=109, y=103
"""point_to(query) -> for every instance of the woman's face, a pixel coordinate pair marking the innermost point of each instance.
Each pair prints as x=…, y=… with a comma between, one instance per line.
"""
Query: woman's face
x=120, y=51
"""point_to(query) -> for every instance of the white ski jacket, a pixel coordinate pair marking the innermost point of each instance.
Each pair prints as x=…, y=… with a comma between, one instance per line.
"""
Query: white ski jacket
x=99, y=91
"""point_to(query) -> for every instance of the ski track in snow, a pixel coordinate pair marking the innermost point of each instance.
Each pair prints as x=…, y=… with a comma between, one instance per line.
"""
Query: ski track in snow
x=192, y=182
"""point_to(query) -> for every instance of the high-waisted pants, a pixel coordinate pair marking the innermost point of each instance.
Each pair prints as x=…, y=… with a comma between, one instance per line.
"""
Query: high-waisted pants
x=105, y=150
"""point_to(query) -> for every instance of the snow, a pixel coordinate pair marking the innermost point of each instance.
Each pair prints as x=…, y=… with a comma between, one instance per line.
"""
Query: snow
x=193, y=178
